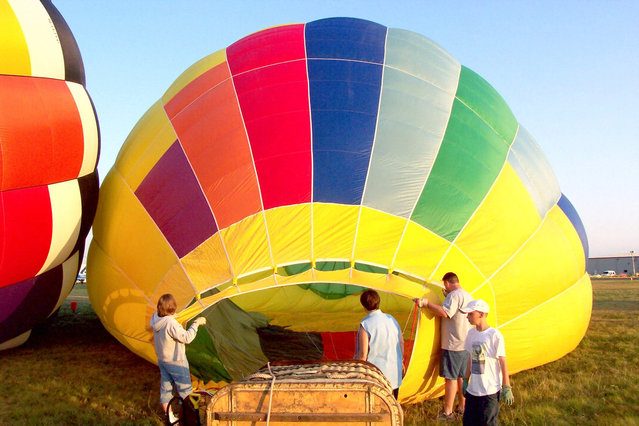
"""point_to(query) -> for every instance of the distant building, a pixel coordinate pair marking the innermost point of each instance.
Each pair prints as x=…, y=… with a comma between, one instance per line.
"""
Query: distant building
x=619, y=264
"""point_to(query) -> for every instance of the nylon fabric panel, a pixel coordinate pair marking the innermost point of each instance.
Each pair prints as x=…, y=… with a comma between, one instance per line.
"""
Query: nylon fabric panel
x=344, y=105
x=66, y=215
x=129, y=248
x=480, y=97
x=422, y=376
x=345, y=38
x=89, y=186
x=333, y=230
x=290, y=233
x=126, y=310
x=562, y=323
x=49, y=152
x=45, y=52
x=73, y=66
x=532, y=167
x=247, y=245
x=89, y=124
x=207, y=265
x=14, y=52
x=373, y=227
x=211, y=131
x=25, y=227
x=268, y=47
x=419, y=86
x=479, y=133
x=173, y=198
x=178, y=283
x=468, y=142
x=456, y=260
x=521, y=284
x=569, y=210
x=146, y=144
x=29, y=302
x=275, y=108
x=193, y=90
x=419, y=251
x=503, y=222
x=189, y=77
x=70, y=270
x=302, y=310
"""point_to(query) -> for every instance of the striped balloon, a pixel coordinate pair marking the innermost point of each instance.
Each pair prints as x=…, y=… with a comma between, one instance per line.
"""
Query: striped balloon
x=278, y=177
x=48, y=154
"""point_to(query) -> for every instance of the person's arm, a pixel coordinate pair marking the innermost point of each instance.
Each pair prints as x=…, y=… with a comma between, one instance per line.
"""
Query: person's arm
x=362, y=344
x=178, y=332
x=506, y=389
x=435, y=308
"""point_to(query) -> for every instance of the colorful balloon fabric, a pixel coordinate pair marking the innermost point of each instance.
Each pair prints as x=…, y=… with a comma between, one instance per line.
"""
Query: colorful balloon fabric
x=49, y=147
x=277, y=178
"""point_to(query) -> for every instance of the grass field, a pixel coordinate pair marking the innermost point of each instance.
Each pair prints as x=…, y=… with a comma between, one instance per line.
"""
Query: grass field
x=73, y=372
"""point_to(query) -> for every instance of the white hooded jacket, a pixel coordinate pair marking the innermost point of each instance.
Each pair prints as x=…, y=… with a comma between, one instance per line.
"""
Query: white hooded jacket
x=169, y=338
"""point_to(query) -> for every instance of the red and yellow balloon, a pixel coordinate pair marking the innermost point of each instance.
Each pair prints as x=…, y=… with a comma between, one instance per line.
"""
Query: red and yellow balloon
x=49, y=146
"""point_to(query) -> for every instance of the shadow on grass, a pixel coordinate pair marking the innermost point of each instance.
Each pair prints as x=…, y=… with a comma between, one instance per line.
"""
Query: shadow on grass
x=72, y=371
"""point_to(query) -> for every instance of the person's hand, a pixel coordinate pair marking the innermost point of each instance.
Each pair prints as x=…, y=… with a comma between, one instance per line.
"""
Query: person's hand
x=464, y=385
x=420, y=302
x=507, y=395
x=199, y=321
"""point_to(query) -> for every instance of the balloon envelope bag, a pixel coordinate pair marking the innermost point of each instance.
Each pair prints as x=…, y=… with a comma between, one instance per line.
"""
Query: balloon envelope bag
x=354, y=393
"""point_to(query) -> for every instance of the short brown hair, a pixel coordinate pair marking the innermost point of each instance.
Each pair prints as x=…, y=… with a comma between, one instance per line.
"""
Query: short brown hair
x=450, y=277
x=370, y=300
x=166, y=305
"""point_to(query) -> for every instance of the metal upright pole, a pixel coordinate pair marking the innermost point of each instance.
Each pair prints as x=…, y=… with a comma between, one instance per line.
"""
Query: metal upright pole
x=632, y=259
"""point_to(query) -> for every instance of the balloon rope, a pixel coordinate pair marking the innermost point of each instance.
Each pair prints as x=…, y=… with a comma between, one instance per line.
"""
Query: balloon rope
x=270, y=397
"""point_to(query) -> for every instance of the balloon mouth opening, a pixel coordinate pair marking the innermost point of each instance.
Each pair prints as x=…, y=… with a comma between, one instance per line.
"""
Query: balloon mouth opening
x=298, y=323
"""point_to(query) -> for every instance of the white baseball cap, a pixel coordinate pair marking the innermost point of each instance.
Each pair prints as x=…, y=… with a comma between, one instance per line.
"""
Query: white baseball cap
x=476, y=305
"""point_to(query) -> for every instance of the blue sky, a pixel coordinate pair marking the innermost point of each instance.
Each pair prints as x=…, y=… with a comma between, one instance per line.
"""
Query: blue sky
x=568, y=70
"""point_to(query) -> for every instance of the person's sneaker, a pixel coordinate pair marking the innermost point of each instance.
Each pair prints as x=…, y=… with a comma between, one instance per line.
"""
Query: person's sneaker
x=443, y=417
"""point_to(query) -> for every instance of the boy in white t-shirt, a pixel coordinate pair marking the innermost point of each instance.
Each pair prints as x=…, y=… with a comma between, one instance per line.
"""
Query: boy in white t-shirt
x=487, y=369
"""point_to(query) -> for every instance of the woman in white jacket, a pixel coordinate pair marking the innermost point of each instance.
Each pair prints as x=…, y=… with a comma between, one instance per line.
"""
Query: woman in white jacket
x=169, y=339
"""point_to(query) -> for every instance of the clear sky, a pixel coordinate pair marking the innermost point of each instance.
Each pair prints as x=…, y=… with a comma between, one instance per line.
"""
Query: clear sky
x=569, y=70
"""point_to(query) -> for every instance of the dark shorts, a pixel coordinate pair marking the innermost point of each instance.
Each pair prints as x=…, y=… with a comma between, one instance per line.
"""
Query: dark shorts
x=481, y=410
x=453, y=364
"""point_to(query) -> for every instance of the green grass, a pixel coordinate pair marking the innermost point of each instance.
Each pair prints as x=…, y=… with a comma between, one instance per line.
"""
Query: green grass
x=72, y=371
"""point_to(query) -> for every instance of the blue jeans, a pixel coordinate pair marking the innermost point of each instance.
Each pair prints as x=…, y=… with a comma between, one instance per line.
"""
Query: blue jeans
x=174, y=375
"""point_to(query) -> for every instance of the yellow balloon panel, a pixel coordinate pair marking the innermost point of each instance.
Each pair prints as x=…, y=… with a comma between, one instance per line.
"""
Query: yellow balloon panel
x=114, y=303
x=504, y=221
x=14, y=52
x=147, y=142
x=543, y=267
x=247, y=245
x=457, y=261
x=290, y=233
x=375, y=226
x=419, y=251
x=559, y=325
x=334, y=230
x=207, y=265
x=138, y=248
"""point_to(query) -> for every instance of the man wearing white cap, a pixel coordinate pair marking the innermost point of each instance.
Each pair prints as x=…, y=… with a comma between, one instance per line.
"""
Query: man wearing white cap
x=487, y=369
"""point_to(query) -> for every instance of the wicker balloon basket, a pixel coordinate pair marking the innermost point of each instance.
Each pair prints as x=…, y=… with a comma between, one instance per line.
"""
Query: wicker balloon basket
x=351, y=392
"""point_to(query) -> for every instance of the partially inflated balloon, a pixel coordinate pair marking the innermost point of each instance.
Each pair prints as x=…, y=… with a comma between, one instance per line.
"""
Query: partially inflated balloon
x=278, y=177
x=48, y=154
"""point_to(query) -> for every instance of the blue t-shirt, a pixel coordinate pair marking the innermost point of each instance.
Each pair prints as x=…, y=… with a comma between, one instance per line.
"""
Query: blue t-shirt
x=384, y=345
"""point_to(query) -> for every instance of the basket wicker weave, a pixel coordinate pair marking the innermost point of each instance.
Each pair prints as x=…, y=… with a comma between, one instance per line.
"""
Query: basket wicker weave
x=351, y=392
